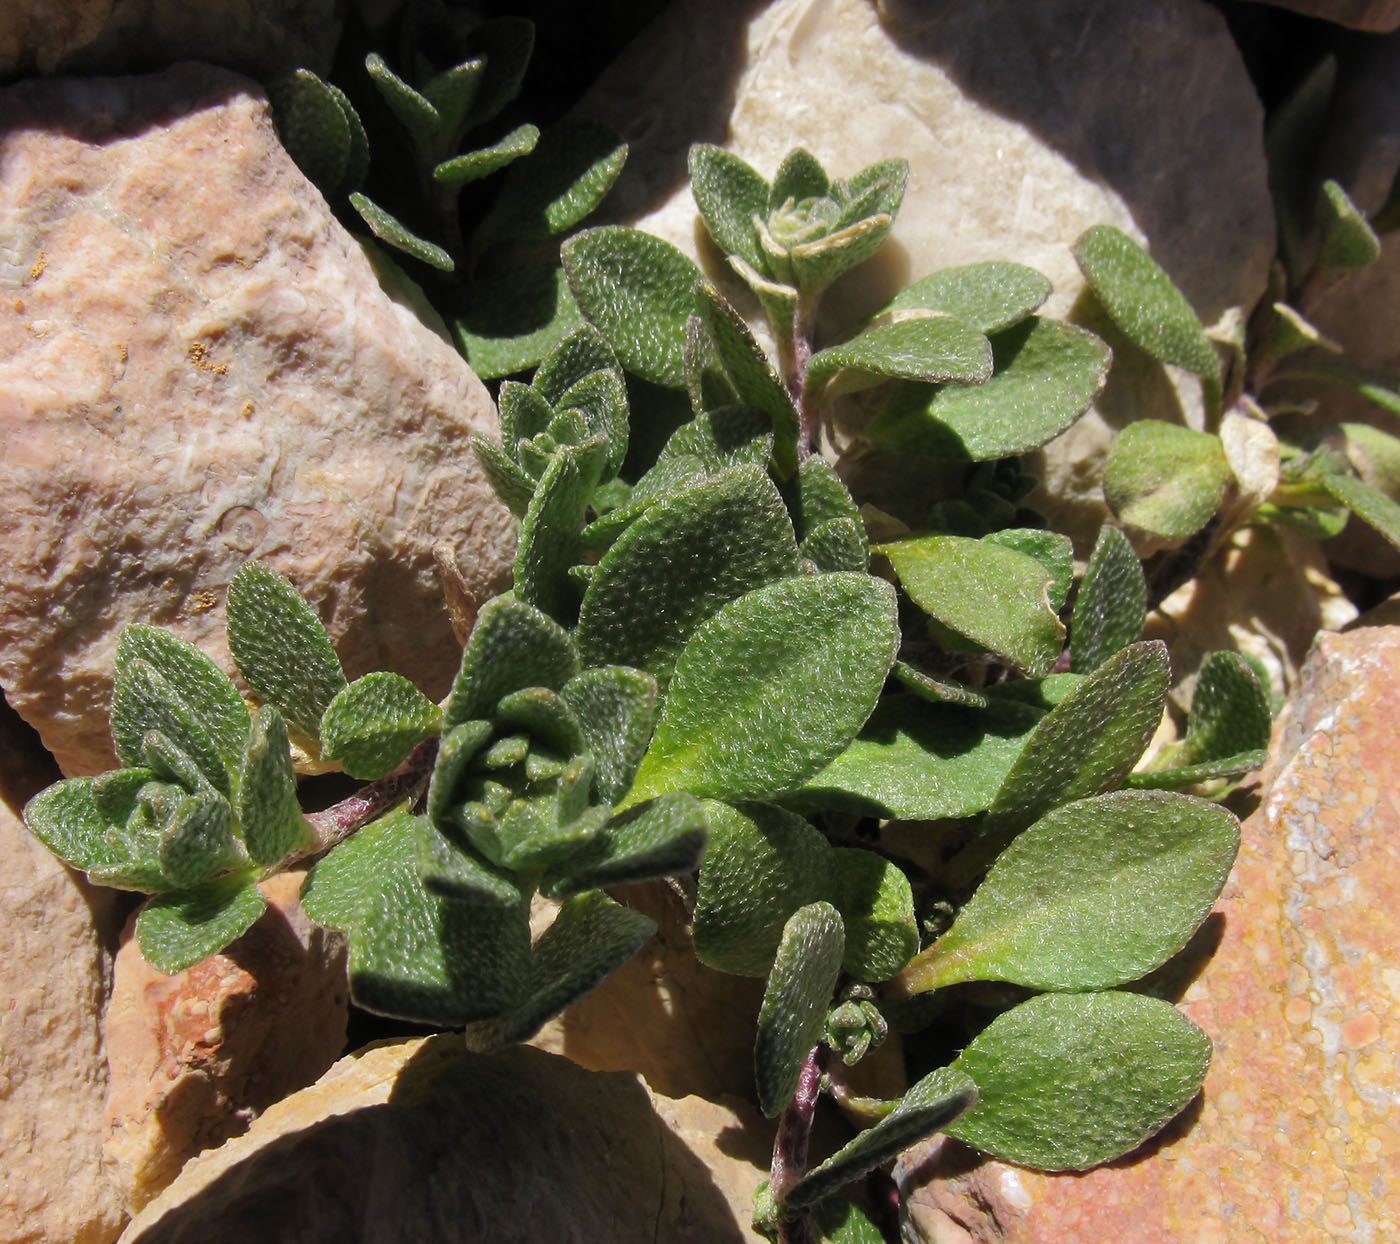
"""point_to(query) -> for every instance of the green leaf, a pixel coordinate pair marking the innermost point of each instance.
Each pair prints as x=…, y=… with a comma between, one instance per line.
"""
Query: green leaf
x=989, y=297
x=1230, y=712
x=375, y=722
x=795, y=1002
x=389, y=230
x=932, y=348
x=312, y=127
x=877, y=190
x=450, y=869
x=412, y=110
x=761, y=865
x=509, y=320
x=572, y=168
x=938, y=690
x=549, y=535
x=601, y=399
x=474, y=165
x=1052, y=550
x=281, y=648
x=616, y=710
x=930, y=1106
x=1094, y=894
x=67, y=821
x=512, y=645
x=512, y=486
x=637, y=291
x=1143, y=302
x=1348, y=242
x=779, y=301
x=452, y=93
x=1067, y=1081
x=266, y=806
x=995, y=597
x=720, y=439
x=664, y=837
x=144, y=701
x=816, y=495
x=1369, y=504
x=1045, y=376
x=925, y=762
x=844, y=1222
x=772, y=688
x=357, y=163
x=1111, y=608
x=198, y=840
x=800, y=176
x=731, y=534
x=177, y=930
x=1165, y=479
x=877, y=906
x=816, y=264
x=591, y=938
x=729, y=195
x=457, y=748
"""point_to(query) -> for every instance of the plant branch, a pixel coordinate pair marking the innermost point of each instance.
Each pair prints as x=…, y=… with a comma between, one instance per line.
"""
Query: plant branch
x=790, y=1147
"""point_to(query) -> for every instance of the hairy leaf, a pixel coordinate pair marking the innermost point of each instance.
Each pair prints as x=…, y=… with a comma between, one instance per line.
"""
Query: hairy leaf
x=1348, y=242
x=65, y=819
x=1369, y=504
x=664, y=837
x=510, y=320
x=177, y=930
x=729, y=195
x=1111, y=608
x=197, y=841
x=877, y=906
x=312, y=127
x=375, y=722
x=143, y=700
x=1165, y=479
x=512, y=645
x=389, y=230
x=450, y=869
x=266, y=806
x=412, y=110
x=1052, y=550
x=549, y=535
x=989, y=297
x=933, y=348
x=475, y=165
x=616, y=710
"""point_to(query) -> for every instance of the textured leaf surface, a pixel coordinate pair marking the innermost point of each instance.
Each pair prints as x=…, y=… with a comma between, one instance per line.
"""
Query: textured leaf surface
x=1111, y=608
x=143, y=701
x=664, y=837
x=1369, y=504
x=762, y=864
x=474, y=165
x=795, y=1002
x=877, y=906
x=930, y=1106
x=637, y=290
x=549, y=541
x=1045, y=375
x=1165, y=479
x=772, y=688
x=1348, y=242
x=66, y=820
x=375, y=722
x=986, y=296
x=1052, y=550
x=197, y=841
x=392, y=232
x=413, y=110
x=994, y=596
x=513, y=645
x=932, y=348
x=312, y=127
x=282, y=650
x=453, y=870
x=616, y=710
x=1067, y=1081
x=1094, y=894
x=729, y=195
x=179, y=929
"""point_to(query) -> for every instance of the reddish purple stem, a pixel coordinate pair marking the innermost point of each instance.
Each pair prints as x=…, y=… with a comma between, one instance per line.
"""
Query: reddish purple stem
x=790, y=1147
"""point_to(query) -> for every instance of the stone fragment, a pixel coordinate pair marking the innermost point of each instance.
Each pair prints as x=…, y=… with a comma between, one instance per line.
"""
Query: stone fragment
x=422, y=1141
x=197, y=367
x=1378, y=16
x=125, y=36
x=194, y=1057
x=54, y=976
x=1296, y=1138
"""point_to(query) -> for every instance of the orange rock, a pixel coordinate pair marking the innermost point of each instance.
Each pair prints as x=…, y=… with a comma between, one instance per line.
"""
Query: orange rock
x=1296, y=1137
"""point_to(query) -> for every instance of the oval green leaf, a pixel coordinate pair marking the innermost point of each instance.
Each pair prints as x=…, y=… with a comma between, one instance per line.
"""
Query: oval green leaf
x=1165, y=479
x=375, y=722
x=986, y=296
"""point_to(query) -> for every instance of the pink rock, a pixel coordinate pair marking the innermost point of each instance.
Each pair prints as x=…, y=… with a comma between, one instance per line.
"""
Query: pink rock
x=195, y=1057
x=197, y=366
x=1296, y=1138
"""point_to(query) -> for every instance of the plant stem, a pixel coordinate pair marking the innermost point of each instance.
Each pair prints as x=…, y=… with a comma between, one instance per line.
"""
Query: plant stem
x=790, y=1147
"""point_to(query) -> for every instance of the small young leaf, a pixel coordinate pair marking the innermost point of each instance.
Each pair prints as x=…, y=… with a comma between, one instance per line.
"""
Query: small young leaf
x=816, y=264
x=549, y=535
x=375, y=722
x=600, y=398
x=989, y=297
x=1045, y=375
x=509, y=320
x=761, y=865
x=452, y=870
x=1052, y=550
x=662, y=838
x=513, y=645
x=837, y=544
x=591, y=938
x=772, y=688
x=458, y=747
x=932, y=348
x=779, y=301
x=512, y=486
x=143, y=700
x=1230, y=713
x=729, y=195
x=930, y=1106
x=392, y=232
x=877, y=906
x=177, y=930
x=1369, y=504
x=281, y=648
x=1165, y=479
x=198, y=840
x=731, y=533
x=995, y=597
x=938, y=690
x=65, y=819
x=1111, y=608
x=266, y=806
x=357, y=161
x=637, y=291
x=1094, y=894
x=475, y=165
x=616, y=710
x=1348, y=242
x=544, y=716
x=312, y=127
x=412, y=110
x=1067, y=1081
x=1143, y=302
x=800, y=176
x=452, y=93
x=795, y=1002
x=525, y=413
x=877, y=190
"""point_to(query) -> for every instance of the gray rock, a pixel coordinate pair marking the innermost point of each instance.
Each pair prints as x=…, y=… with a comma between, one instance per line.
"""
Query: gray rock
x=197, y=366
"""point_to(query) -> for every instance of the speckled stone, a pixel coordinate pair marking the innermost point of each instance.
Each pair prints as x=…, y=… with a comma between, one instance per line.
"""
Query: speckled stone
x=1297, y=1136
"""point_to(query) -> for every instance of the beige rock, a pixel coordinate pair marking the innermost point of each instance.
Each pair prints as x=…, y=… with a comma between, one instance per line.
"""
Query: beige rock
x=197, y=367
x=422, y=1141
x=1380, y=16
x=194, y=1057
x=120, y=36
x=53, y=1077
x=1295, y=1139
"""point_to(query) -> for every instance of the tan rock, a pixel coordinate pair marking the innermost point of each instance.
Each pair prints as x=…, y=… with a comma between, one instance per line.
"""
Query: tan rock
x=1296, y=1138
x=422, y=1141
x=53, y=1077
x=194, y=1058
x=196, y=367
x=120, y=36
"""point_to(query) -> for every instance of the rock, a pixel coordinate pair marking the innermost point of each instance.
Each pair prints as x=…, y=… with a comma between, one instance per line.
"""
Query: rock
x=123, y=36
x=422, y=1141
x=194, y=1058
x=197, y=367
x=53, y=1077
x=1296, y=1137
x=1380, y=16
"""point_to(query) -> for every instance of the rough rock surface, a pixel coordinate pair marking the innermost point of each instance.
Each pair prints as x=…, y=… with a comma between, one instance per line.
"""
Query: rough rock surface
x=53, y=1077
x=120, y=36
x=194, y=1057
x=197, y=367
x=1378, y=16
x=1297, y=1136
x=422, y=1141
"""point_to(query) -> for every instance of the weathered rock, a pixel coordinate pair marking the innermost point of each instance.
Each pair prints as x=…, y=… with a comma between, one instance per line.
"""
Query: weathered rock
x=196, y=367
x=422, y=1141
x=53, y=1077
x=1296, y=1137
x=123, y=36
x=194, y=1057
x=1379, y=16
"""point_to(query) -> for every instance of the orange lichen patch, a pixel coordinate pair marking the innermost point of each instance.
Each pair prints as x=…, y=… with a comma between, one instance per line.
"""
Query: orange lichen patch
x=201, y=602
x=40, y=264
x=199, y=354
